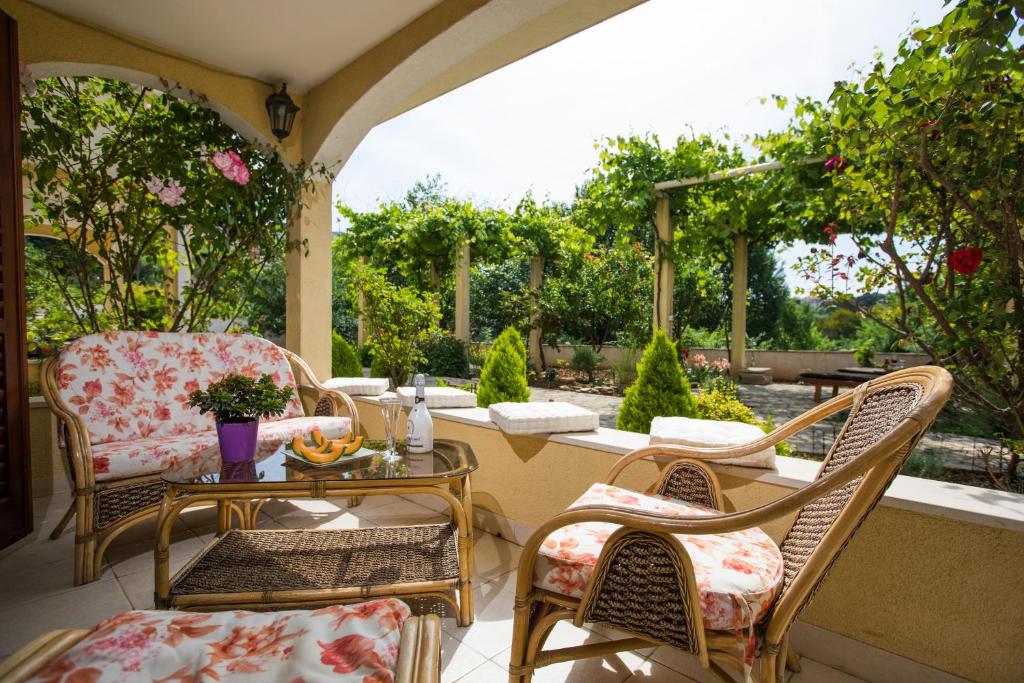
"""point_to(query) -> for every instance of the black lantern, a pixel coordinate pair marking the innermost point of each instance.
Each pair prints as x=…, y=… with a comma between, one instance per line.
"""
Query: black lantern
x=281, y=111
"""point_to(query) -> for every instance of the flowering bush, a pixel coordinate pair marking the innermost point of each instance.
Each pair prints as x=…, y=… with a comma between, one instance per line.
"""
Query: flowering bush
x=126, y=176
x=706, y=374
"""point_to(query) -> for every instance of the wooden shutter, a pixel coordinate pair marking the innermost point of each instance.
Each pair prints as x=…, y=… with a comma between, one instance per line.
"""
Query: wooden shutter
x=15, y=472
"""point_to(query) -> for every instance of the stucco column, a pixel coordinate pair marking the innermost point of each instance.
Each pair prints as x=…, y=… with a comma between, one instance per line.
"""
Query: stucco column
x=738, y=351
x=360, y=319
x=536, y=282
x=462, y=293
x=308, y=283
x=664, y=268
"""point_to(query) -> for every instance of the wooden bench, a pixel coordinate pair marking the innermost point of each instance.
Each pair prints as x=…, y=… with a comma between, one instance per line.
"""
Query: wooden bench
x=834, y=380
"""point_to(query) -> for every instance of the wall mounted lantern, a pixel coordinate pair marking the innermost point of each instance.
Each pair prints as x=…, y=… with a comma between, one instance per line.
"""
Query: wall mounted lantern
x=281, y=111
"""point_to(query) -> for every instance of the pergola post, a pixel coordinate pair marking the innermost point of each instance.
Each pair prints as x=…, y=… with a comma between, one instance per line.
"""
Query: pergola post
x=308, y=282
x=738, y=351
x=361, y=303
x=536, y=282
x=664, y=268
x=462, y=292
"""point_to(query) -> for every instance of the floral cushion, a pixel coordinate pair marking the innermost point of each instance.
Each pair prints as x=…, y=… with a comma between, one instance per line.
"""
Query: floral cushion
x=356, y=643
x=128, y=385
x=120, y=459
x=738, y=574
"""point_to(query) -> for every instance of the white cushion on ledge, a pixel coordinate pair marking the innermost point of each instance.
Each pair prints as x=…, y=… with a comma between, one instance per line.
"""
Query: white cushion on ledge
x=359, y=386
x=685, y=431
x=439, y=397
x=542, y=417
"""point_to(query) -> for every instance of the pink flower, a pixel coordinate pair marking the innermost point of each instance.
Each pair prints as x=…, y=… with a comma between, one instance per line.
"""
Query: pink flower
x=171, y=193
x=154, y=185
x=835, y=163
x=28, y=83
x=231, y=166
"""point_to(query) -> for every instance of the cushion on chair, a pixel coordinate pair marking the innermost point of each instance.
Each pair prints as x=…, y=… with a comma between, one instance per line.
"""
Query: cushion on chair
x=359, y=386
x=355, y=643
x=686, y=431
x=120, y=459
x=542, y=417
x=129, y=385
x=439, y=397
x=738, y=574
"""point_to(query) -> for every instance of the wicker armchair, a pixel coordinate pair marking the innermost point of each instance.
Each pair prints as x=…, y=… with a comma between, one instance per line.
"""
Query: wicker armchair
x=643, y=581
x=106, y=503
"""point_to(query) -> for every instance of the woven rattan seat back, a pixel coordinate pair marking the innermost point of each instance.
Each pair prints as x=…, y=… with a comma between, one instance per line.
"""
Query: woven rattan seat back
x=874, y=415
x=690, y=481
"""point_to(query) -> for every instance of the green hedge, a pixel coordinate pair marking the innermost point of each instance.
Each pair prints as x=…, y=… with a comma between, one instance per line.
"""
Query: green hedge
x=344, y=362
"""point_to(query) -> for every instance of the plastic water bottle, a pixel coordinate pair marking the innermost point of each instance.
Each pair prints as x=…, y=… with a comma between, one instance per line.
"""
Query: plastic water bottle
x=419, y=430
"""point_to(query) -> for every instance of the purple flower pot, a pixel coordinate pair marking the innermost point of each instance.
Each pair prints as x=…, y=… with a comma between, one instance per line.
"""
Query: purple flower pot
x=237, y=440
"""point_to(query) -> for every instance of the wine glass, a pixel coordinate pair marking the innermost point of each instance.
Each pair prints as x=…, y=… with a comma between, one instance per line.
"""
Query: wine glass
x=391, y=411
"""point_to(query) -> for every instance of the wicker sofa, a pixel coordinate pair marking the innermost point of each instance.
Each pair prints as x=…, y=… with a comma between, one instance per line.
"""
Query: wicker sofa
x=122, y=398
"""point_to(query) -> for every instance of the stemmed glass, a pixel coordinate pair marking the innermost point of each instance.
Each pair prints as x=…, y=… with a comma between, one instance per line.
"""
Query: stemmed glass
x=391, y=411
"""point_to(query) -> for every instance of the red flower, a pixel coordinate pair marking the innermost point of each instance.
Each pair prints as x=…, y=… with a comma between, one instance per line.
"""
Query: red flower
x=835, y=164
x=966, y=261
x=348, y=653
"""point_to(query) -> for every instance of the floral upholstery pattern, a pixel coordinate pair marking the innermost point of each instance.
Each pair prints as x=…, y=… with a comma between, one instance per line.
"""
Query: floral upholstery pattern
x=130, y=385
x=738, y=574
x=352, y=643
x=121, y=459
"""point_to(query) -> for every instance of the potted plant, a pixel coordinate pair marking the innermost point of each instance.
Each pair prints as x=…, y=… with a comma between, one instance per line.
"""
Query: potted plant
x=237, y=403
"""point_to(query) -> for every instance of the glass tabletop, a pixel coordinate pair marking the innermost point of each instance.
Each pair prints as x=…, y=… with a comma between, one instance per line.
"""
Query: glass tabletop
x=274, y=463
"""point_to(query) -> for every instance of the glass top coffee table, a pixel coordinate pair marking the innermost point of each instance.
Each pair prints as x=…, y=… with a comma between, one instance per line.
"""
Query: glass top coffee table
x=246, y=568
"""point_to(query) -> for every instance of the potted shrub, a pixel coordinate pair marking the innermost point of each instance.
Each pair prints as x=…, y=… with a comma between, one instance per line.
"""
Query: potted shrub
x=237, y=403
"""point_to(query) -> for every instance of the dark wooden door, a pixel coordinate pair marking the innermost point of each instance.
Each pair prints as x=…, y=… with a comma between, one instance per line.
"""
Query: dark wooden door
x=15, y=474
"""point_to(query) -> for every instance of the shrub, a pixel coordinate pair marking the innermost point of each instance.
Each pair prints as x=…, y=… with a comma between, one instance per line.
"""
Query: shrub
x=446, y=356
x=586, y=359
x=365, y=356
x=865, y=356
x=719, y=405
x=378, y=368
x=503, y=377
x=344, y=362
x=624, y=370
x=399, y=320
x=660, y=388
x=550, y=375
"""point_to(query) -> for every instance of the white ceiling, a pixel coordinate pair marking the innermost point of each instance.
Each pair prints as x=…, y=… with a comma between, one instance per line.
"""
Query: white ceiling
x=298, y=41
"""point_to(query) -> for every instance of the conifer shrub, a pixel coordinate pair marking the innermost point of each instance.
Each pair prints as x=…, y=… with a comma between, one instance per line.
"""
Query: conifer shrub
x=660, y=389
x=503, y=377
x=344, y=362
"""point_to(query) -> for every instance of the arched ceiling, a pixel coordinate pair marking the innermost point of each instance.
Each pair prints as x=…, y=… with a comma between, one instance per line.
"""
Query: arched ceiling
x=301, y=42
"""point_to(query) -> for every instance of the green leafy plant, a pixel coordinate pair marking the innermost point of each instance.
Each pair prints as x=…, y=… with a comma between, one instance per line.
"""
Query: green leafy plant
x=624, y=369
x=446, y=356
x=721, y=406
x=550, y=375
x=344, y=362
x=399, y=321
x=503, y=377
x=660, y=388
x=865, y=356
x=240, y=398
x=587, y=360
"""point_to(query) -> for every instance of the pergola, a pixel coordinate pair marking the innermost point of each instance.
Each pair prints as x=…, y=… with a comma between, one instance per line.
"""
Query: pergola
x=664, y=269
x=349, y=65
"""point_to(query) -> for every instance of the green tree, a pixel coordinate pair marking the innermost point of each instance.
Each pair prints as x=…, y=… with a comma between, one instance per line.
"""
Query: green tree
x=926, y=170
x=150, y=182
x=399, y=322
x=344, y=362
x=503, y=377
x=660, y=389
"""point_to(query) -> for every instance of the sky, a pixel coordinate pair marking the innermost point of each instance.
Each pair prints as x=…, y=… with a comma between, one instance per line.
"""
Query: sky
x=666, y=67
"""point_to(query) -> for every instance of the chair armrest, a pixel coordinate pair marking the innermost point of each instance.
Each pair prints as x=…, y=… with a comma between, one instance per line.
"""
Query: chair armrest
x=36, y=654
x=338, y=398
x=419, y=654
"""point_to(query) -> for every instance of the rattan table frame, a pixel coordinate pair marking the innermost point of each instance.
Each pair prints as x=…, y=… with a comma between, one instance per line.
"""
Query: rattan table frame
x=245, y=498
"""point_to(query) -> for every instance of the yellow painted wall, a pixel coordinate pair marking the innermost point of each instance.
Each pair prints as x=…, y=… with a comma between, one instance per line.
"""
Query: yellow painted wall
x=938, y=591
